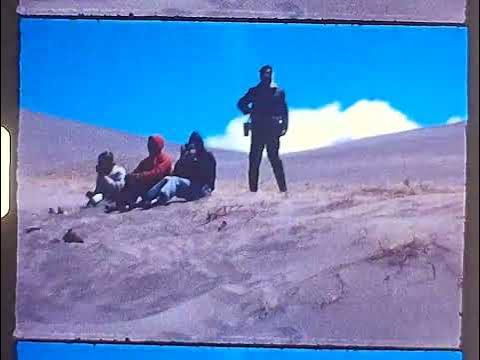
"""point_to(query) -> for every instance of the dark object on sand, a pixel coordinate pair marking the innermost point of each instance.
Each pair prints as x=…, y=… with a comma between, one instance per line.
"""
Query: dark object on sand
x=222, y=226
x=32, y=229
x=71, y=237
x=122, y=208
x=59, y=211
x=247, y=127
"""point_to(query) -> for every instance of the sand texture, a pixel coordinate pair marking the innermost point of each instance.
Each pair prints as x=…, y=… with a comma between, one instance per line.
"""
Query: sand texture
x=366, y=250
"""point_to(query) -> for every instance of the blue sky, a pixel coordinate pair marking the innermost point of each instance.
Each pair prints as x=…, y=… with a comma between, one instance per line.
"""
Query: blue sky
x=173, y=77
x=49, y=351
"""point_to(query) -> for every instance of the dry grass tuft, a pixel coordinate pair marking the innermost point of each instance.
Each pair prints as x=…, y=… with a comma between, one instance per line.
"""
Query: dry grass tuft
x=399, y=255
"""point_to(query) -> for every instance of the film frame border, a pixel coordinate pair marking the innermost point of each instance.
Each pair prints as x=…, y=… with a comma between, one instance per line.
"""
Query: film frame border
x=9, y=119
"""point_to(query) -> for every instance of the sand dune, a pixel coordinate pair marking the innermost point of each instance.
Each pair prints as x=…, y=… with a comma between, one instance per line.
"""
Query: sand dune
x=367, y=249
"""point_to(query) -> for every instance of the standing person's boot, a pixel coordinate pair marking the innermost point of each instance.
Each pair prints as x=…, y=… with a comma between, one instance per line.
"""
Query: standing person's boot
x=273, y=148
x=253, y=174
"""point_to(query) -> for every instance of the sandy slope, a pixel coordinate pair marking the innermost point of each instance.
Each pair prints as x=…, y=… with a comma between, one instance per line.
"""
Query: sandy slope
x=353, y=256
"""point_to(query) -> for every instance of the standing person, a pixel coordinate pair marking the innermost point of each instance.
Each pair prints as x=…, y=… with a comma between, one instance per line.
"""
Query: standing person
x=193, y=176
x=148, y=173
x=110, y=180
x=268, y=110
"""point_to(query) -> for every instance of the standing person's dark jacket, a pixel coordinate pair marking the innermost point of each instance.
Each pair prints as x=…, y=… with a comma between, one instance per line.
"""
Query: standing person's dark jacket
x=200, y=167
x=266, y=106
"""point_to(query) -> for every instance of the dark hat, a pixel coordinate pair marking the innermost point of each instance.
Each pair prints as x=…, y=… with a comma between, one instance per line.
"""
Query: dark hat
x=196, y=138
x=106, y=156
x=265, y=68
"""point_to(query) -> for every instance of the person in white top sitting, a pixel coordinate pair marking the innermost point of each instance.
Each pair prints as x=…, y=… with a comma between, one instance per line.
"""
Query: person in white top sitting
x=110, y=180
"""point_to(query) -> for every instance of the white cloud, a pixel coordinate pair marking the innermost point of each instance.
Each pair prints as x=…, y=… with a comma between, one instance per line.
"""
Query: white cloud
x=455, y=120
x=325, y=126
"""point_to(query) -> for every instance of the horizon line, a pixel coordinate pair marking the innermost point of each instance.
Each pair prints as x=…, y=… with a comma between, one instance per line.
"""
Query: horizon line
x=53, y=117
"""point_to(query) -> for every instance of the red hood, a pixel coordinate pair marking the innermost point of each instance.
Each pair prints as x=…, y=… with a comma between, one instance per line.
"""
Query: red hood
x=156, y=166
x=156, y=144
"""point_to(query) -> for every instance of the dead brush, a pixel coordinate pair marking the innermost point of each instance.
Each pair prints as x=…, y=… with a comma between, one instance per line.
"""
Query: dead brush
x=196, y=222
x=337, y=297
x=248, y=214
x=345, y=203
x=399, y=255
x=220, y=212
x=406, y=190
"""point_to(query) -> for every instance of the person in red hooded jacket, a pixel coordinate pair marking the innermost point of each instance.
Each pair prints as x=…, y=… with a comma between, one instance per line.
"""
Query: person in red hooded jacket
x=148, y=173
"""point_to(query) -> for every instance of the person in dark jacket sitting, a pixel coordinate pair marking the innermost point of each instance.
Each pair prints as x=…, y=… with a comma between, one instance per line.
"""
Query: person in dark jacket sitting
x=193, y=176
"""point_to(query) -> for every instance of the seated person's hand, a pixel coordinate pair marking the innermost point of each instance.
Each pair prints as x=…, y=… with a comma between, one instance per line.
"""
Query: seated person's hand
x=283, y=132
x=183, y=148
x=100, y=170
x=133, y=177
x=207, y=190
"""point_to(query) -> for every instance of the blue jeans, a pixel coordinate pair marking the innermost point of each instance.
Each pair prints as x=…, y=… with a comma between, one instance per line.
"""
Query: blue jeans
x=174, y=186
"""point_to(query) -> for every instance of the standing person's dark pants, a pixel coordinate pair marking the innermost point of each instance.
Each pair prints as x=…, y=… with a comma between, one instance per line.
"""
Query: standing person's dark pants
x=272, y=143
